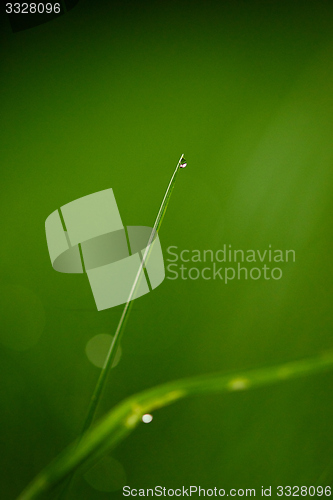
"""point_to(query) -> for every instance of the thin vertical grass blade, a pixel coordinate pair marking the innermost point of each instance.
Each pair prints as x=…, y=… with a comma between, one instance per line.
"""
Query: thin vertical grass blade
x=122, y=322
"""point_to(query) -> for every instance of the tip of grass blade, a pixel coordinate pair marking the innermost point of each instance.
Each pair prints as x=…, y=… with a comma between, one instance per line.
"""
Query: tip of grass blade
x=182, y=162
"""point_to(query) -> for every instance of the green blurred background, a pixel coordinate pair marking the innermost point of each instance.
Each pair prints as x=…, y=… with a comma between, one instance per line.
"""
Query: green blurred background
x=109, y=95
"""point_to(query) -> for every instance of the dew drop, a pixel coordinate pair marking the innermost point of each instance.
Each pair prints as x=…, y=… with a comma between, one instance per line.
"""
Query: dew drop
x=147, y=418
x=183, y=163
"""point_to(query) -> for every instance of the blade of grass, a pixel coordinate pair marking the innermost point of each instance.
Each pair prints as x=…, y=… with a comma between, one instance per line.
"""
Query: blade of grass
x=122, y=322
x=124, y=417
x=123, y=319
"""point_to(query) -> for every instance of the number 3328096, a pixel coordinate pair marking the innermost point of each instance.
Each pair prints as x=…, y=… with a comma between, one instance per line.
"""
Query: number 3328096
x=33, y=8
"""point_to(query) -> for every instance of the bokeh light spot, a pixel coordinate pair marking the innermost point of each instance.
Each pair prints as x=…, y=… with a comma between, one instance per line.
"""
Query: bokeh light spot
x=22, y=317
x=97, y=349
x=107, y=475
